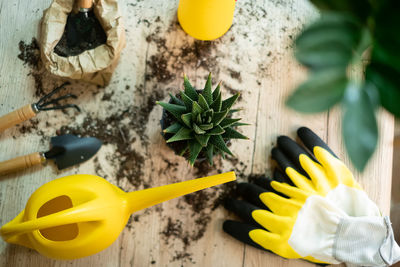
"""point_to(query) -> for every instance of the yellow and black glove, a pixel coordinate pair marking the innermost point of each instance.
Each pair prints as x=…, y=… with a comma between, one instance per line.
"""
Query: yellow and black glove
x=313, y=210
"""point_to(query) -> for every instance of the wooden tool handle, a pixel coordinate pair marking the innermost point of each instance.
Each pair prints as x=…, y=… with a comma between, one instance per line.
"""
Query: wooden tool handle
x=17, y=116
x=85, y=3
x=21, y=163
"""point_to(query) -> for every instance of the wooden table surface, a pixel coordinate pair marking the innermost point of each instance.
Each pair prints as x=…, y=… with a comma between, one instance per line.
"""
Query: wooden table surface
x=254, y=57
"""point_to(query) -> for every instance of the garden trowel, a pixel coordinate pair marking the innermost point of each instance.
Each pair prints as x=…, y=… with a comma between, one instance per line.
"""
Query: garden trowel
x=67, y=150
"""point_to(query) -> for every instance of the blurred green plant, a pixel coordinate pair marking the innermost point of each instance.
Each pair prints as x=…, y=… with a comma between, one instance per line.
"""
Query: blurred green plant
x=353, y=55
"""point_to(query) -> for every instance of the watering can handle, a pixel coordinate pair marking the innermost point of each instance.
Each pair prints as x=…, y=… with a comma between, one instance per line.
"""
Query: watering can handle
x=81, y=213
x=17, y=116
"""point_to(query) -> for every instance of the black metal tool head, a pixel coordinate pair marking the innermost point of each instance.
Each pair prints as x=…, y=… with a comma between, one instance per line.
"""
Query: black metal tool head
x=68, y=150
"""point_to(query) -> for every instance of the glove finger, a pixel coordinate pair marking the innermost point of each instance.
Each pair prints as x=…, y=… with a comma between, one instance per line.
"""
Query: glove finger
x=280, y=205
x=251, y=193
x=282, y=178
x=243, y=232
x=242, y=209
x=299, y=179
x=265, y=182
x=259, y=217
x=311, y=140
x=292, y=151
x=290, y=191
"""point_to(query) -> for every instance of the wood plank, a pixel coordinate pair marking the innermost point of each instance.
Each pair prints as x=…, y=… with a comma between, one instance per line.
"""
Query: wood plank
x=254, y=58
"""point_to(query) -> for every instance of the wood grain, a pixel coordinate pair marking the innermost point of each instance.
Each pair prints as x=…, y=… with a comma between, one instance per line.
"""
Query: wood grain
x=16, y=117
x=20, y=163
x=254, y=57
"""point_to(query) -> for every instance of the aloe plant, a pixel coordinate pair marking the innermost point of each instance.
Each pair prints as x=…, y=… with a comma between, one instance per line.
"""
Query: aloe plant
x=202, y=121
x=361, y=36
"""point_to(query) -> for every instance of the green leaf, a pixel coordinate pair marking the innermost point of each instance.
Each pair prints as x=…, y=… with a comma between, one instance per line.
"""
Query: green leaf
x=360, y=130
x=217, y=130
x=217, y=91
x=387, y=81
x=182, y=152
x=219, y=116
x=320, y=92
x=175, y=110
x=183, y=134
x=187, y=101
x=194, y=151
x=198, y=119
x=231, y=111
x=207, y=91
x=203, y=103
x=228, y=122
x=189, y=89
x=187, y=119
x=233, y=134
x=202, y=139
x=206, y=127
x=196, y=109
x=210, y=153
x=176, y=100
x=237, y=124
x=174, y=128
x=328, y=42
x=358, y=8
x=219, y=143
x=217, y=104
x=197, y=129
x=228, y=103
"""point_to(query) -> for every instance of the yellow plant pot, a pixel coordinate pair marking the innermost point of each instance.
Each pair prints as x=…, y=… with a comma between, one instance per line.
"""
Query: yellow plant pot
x=206, y=19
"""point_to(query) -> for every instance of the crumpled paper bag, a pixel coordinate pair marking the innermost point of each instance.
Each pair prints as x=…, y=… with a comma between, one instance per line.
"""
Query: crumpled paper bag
x=94, y=65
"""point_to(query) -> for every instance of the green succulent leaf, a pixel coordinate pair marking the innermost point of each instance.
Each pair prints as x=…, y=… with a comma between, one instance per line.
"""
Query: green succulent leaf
x=203, y=103
x=206, y=127
x=219, y=143
x=320, y=92
x=210, y=153
x=237, y=124
x=231, y=111
x=187, y=119
x=360, y=130
x=182, y=152
x=228, y=103
x=198, y=119
x=176, y=100
x=207, y=91
x=197, y=129
x=183, y=134
x=173, y=128
x=196, y=109
x=194, y=151
x=217, y=130
x=175, y=110
x=219, y=116
x=233, y=134
x=187, y=101
x=228, y=122
x=217, y=104
x=202, y=139
x=189, y=89
x=328, y=42
x=216, y=91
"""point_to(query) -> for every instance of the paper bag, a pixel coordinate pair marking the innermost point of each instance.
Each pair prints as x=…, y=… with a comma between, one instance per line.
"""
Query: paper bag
x=94, y=65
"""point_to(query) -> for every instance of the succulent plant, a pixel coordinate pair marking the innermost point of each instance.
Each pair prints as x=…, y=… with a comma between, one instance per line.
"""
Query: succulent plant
x=202, y=120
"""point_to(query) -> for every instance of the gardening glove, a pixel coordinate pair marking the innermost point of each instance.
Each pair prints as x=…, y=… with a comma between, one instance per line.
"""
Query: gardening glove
x=324, y=228
x=321, y=172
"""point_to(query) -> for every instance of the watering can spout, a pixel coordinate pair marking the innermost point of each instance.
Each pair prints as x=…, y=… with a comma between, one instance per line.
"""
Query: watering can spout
x=139, y=200
x=21, y=239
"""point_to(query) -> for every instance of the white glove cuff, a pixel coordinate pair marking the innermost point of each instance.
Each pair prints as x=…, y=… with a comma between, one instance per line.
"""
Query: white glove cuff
x=366, y=241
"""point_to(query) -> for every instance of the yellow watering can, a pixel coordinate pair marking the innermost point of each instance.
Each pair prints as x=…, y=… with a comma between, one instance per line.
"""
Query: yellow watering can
x=80, y=215
x=206, y=19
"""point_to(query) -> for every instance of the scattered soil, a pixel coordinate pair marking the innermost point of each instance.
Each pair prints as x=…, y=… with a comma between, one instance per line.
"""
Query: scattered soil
x=88, y=39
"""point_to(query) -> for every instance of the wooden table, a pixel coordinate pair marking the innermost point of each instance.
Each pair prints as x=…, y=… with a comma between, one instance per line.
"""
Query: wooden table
x=254, y=57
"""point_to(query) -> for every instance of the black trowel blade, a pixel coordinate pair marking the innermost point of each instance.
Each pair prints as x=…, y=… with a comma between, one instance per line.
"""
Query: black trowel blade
x=76, y=149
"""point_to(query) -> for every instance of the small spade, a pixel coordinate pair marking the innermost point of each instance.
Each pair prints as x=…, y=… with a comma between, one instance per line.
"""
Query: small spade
x=66, y=150
x=79, y=25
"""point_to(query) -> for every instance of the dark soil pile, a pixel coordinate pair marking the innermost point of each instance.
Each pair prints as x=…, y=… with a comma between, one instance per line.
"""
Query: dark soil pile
x=86, y=39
